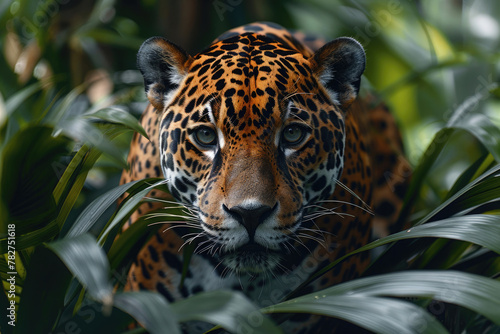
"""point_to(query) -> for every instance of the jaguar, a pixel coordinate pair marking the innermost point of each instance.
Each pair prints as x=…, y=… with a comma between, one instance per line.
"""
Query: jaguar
x=280, y=162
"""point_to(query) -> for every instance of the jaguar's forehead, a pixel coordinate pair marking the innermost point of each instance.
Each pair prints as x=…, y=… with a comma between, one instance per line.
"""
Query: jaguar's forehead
x=248, y=57
x=246, y=76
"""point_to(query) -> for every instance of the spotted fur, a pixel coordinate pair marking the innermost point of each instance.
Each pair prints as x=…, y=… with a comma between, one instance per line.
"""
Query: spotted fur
x=263, y=141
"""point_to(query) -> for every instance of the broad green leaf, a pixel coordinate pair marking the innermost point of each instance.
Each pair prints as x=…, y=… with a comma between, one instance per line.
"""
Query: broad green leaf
x=483, y=230
x=483, y=188
x=43, y=293
x=116, y=115
x=379, y=315
x=229, y=309
x=475, y=292
x=87, y=261
x=150, y=309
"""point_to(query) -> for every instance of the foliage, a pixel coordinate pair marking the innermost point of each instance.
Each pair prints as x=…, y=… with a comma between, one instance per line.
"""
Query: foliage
x=68, y=106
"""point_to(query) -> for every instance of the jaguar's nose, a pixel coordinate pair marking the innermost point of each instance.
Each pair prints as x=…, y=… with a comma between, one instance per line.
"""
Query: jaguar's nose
x=250, y=216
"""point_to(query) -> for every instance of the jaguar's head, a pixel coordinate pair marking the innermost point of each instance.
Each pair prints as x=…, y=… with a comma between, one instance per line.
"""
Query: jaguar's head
x=251, y=135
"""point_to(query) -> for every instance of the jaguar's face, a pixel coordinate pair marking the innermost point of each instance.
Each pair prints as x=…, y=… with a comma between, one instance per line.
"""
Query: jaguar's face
x=251, y=139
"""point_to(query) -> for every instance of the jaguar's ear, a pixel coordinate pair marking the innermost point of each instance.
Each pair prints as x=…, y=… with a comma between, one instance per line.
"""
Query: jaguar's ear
x=338, y=66
x=163, y=66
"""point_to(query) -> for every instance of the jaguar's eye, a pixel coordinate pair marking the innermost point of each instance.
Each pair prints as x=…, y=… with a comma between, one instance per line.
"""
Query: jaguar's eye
x=205, y=136
x=293, y=134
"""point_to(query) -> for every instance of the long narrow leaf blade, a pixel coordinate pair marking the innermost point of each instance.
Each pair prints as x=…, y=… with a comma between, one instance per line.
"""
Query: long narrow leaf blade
x=94, y=210
x=126, y=210
x=380, y=315
x=481, y=127
x=483, y=230
x=229, y=309
x=115, y=115
x=480, y=294
x=150, y=309
x=87, y=261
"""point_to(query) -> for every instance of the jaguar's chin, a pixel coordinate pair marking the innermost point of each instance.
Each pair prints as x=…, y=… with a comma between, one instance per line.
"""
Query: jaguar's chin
x=251, y=258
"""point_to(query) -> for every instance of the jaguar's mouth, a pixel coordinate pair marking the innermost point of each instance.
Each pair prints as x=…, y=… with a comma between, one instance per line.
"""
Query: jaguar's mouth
x=252, y=247
x=251, y=258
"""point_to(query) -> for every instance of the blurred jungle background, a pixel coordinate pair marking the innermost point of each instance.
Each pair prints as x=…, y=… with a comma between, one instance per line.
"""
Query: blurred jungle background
x=70, y=97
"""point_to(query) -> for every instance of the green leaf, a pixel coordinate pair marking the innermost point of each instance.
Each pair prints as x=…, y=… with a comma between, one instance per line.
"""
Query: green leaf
x=229, y=309
x=28, y=178
x=119, y=116
x=126, y=209
x=71, y=182
x=94, y=210
x=481, y=127
x=483, y=230
x=150, y=309
x=421, y=171
x=356, y=301
x=466, y=176
x=34, y=238
x=468, y=192
x=379, y=315
x=474, y=292
x=43, y=292
x=13, y=103
x=87, y=261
